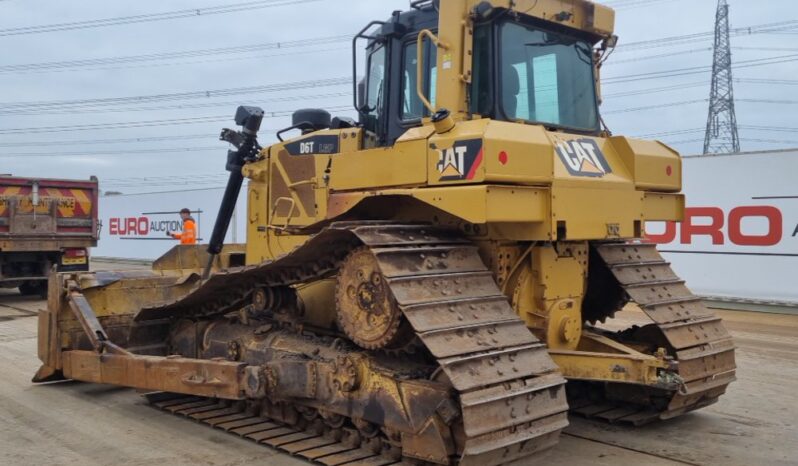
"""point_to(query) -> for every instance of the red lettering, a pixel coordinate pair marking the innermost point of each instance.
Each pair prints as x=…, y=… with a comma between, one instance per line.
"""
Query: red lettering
x=131, y=226
x=775, y=226
x=144, y=226
x=134, y=226
x=712, y=230
x=666, y=237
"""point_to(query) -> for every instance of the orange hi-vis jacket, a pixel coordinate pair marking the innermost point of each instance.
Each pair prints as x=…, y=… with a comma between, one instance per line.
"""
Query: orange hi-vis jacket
x=189, y=235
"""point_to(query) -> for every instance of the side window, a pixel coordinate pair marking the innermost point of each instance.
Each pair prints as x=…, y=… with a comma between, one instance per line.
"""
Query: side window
x=412, y=108
x=481, y=82
x=375, y=89
x=376, y=81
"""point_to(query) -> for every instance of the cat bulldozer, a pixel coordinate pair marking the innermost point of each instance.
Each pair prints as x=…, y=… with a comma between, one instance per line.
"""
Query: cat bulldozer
x=425, y=284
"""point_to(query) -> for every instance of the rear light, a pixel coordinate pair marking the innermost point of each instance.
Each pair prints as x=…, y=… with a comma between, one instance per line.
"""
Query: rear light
x=73, y=253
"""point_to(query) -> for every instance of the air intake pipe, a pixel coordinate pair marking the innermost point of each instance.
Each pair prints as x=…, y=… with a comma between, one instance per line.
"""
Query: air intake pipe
x=246, y=141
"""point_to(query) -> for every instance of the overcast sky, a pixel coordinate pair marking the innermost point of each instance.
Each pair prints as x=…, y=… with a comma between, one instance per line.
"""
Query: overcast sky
x=769, y=104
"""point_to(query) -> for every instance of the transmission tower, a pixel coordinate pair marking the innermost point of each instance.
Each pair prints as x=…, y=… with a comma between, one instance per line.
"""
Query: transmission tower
x=721, y=136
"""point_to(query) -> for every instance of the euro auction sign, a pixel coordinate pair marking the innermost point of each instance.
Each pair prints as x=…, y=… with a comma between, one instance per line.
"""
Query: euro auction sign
x=142, y=227
x=742, y=226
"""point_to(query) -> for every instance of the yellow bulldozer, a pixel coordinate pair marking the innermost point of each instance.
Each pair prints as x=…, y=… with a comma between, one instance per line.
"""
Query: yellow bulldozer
x=425, y=285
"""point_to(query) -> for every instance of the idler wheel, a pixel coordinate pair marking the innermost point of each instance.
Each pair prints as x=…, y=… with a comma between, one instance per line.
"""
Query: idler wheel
x=367, y=312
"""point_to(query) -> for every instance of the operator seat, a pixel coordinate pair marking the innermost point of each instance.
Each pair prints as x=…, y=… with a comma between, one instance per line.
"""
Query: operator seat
x=511, y=87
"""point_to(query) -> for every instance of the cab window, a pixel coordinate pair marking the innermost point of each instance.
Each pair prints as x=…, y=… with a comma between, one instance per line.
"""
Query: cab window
x=375, y=89
x=376, y=80
x=412, y=108
x=481, y=82
x=546, y=78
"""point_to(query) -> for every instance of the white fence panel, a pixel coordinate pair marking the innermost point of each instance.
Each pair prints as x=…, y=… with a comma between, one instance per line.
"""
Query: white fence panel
x=740, y=235
x=135, y=225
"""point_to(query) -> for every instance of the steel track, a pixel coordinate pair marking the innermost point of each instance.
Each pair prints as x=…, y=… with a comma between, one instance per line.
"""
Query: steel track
x=511, y=396
x=330, y=447
x=696, y=338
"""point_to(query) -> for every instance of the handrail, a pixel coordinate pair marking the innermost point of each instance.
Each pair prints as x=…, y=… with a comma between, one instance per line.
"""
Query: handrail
x=420, y=71
x=360, y=35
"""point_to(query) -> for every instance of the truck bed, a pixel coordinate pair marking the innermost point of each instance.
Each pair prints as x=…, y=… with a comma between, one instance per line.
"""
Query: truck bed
x=45, y=222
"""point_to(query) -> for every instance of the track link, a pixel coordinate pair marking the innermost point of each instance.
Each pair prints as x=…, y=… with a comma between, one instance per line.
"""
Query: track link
x=694, y=336
x=512, y=401
x=326, y=447
x=512, y=396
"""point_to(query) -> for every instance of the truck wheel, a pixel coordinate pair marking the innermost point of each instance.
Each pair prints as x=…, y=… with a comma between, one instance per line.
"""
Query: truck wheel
x=34, y=288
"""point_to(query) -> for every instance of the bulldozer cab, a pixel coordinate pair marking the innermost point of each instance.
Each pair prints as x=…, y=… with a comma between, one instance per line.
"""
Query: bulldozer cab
x=530, y=62
x=526, y=62
x=511, y=66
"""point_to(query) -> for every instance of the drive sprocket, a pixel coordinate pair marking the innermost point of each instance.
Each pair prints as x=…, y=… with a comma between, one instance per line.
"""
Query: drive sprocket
x=366, y=311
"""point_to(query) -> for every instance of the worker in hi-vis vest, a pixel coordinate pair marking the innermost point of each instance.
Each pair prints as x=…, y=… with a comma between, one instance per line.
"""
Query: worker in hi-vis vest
x=189, y=234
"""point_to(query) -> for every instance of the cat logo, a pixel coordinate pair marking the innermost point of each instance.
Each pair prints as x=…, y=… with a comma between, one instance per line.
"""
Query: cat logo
x=461, y=161
x=583, y=157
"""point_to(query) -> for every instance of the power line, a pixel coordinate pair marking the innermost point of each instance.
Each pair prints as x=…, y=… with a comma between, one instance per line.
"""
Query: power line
x=651, y=107
x=771, y=141
x=141, y=124
x=769, y=101
x=701, y=130
x=82, y=142
x=778, y=129
x=706, y=36
x=191, y=62
x=662, y=55
x=220, y=178
x=789, y=82
x=113, y=101
x=655, y=90
x=120, y=125
x=229, y=104
x=203, y=186
x=671, y=133
x=620, y=5
x=137, y=60
x=639, y=3
x=108, y=153
x=215, y=178
x=166, y=177
x=168, y=15
x=683, y=141
x=698, y=70
x=134, y=61
x=8, y=107
x=766, y=49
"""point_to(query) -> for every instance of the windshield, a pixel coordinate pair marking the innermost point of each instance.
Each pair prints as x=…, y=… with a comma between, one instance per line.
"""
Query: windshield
x=546, y=78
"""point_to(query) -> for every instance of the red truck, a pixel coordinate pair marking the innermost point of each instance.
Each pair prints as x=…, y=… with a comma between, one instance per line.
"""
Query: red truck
x=45, y=223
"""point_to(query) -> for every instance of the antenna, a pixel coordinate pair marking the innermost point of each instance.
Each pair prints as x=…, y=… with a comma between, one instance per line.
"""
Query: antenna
x=721, y=136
